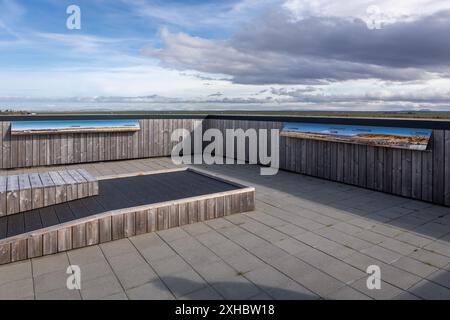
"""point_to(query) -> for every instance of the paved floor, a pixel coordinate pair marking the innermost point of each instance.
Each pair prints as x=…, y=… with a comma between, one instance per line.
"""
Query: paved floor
x=307, y=239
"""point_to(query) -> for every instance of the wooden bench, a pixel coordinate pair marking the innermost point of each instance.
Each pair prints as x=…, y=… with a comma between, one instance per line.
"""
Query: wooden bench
x=25, y=192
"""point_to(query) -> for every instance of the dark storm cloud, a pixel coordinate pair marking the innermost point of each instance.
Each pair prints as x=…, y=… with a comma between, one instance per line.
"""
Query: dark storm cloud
x=278, y=50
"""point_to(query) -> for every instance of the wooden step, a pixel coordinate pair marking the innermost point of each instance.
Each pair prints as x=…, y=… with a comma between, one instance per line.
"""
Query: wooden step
x=25, y=192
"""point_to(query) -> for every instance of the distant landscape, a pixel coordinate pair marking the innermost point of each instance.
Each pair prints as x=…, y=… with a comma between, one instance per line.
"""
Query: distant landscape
x=436, y=115
x=381, y=140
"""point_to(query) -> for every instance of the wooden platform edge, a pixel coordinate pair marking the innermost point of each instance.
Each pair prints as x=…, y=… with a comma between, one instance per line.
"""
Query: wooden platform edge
x=124, y=223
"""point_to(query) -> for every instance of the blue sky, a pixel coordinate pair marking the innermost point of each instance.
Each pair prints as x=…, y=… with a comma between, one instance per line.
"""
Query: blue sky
x=274, y=54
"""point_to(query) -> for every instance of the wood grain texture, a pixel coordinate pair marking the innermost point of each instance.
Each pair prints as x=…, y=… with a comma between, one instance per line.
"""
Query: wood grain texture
x=26, y=192
x=414, y=174
x=422, y=175
x=153, y=140
x=100, y=229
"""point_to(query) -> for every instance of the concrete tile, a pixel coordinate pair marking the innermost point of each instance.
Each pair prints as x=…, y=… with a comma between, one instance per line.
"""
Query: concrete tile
x=398, y=246
x=15, y=271
x=406, y=296
x=386, y=292
x=398, y=277
x=50, y=281
x=268, y=251
x=372, y=237
x=96, y=269
x=173, y=234
x=155, y=290
x=196, y=229
x=341, y=271
x=100, y=287
x=126, y=261
x=347, y=228
x=211, y=238
x=135, y=277
x=147, y=240
x=308, y=276
x=155, y=253
x=272, y=235
x=226, y=248
x=216, y=271
x=382, y=254
x=117, y=296
x=441, y=277
x=292, y=246
x=199, y=256
x=290, y=229
x=184, y=282
x=267, y=277
x=19, y=289
x=348, y=293
x=442, y=248
x=433, y=229
x=261, y=296
x=48, y=264
x=414, y=239
x=249, y=241
x=361, y=261
x=206, y=293
x=117, y=248
x=59, y=294
x=182, y=245
x=170, y=266
x=236, y=288
x=430, y=258
x=426, y=289
x=386, y=230
x=85, y=255
x=218, y=223
x=244, y=262
x=414, y=266
x=290, y=291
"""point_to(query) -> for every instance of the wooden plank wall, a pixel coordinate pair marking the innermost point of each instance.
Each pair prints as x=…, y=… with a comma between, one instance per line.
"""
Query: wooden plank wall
x=153, y=140
x=413, y=174
x=108, y=227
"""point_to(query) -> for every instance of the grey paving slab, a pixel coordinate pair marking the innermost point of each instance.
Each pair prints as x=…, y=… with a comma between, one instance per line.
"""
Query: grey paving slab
x=155, y=290
x=205, y=293
x=184, y=282
x=96, y=269
x=50, y=281
x=386, y=292
x=19, y=289
x=429, y=290
x=382, y=254
x=415, y=266
x=15, y=271
x=236, y=288
x=430, y=258
x=136, y=276
x=56, y=262
x=170, y=265
x=100, y=287
x=348, y=293
x=308, y=239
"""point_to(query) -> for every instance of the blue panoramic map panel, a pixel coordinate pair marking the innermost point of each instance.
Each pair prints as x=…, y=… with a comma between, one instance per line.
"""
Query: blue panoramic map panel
x=403, y=138
x=73, y=126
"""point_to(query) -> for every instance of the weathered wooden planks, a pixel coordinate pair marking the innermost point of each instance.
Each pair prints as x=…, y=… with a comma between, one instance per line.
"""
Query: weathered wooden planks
x=21, y=193
x=422, y=175
x=153, y=140
x=119, y=224
x=419, y=175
